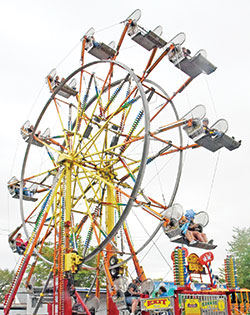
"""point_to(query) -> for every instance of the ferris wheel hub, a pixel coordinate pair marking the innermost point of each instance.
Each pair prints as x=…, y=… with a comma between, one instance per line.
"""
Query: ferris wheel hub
x=64, y=158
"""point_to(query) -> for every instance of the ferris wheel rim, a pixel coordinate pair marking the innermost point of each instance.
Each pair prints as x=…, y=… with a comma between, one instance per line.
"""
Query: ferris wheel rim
x=140, y=171
x=177, y=182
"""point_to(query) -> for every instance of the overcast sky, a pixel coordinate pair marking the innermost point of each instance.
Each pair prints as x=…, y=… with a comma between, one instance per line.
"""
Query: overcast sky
x=38, y=35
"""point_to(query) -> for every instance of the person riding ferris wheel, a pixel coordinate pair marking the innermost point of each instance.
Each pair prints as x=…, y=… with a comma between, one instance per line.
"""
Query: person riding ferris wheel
x=103, y=139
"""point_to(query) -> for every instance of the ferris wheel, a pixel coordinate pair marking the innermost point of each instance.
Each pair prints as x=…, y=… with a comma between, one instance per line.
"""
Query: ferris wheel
x=90, y=163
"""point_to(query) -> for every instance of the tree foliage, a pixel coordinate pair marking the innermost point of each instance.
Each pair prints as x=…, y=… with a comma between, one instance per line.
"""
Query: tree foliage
x=239, y=247
x=42, y=269
x=6, y=277
x=83, y=278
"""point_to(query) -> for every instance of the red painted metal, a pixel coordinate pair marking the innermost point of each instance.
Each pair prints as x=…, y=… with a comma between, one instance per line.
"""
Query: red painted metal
x=177, y=310
x=49, y=309
x=111, y=306
x=67, y=299
x=82, y=303
x=12, y=297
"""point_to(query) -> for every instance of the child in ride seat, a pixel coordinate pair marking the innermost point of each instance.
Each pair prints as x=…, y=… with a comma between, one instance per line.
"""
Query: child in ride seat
x=209, y=131
x=20, y=244
x=191, y=230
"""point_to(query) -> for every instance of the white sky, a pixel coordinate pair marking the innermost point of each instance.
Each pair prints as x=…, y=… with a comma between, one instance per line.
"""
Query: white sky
x=35, y=36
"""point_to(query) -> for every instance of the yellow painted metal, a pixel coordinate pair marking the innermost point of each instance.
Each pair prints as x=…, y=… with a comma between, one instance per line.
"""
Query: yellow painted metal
x=110, y=218
x=35, y=235
x=67, y=262
x=64, y=157
x=111, y=186
x=40, y=174
x=68, y=193
x=72, y=260
x=94, y=138
x=67, y=206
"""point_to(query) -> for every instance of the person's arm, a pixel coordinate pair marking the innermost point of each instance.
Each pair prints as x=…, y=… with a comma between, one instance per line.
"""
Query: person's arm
x=193, y=225
x=133, y=292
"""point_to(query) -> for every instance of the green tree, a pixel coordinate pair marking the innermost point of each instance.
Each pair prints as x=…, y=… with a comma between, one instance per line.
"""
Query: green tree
x=6, y=277
x=83, y=278
x=239, y=247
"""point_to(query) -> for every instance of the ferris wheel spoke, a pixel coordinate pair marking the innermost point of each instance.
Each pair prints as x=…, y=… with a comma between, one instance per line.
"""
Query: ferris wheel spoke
x=115, y=93
x=32, y=268
x=145, y=207
x=104, y=127
x=42, y=216
x=88, y=134
x=89, y=144
x=62, y=125
x=78, y=119
x=111, y=149
x=191, y=146
x=108, y=183
x=89, y=183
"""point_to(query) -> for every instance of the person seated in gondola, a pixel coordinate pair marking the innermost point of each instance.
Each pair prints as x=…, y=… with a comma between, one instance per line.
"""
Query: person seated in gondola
x=26, y=191
x=20, y=244
x=30, y=130
x=209, y=131
x=57, y=80
x=132, y=295
x=197, y=233
x=191, y=230
x=186, y=52
x=186, y=233
x=178, y=52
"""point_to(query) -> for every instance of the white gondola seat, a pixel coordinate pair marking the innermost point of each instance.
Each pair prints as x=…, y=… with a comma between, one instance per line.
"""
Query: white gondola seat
x=174, y=214
x=98, y=49
x=67, y=90
x=192, y=66
x=193, y=125
x=12, y=244
x=120, y=285
x=26, y=132
x=194, y=129
x=198, y=134
x=213, y=141
x=174, y=232
x=146, y=39
x=13, y=186
x=120, y=300
x=93, y=305
x=102, y=51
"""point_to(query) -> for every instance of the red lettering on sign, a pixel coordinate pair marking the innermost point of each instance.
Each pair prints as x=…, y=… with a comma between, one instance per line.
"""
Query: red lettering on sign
x=156, y=301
